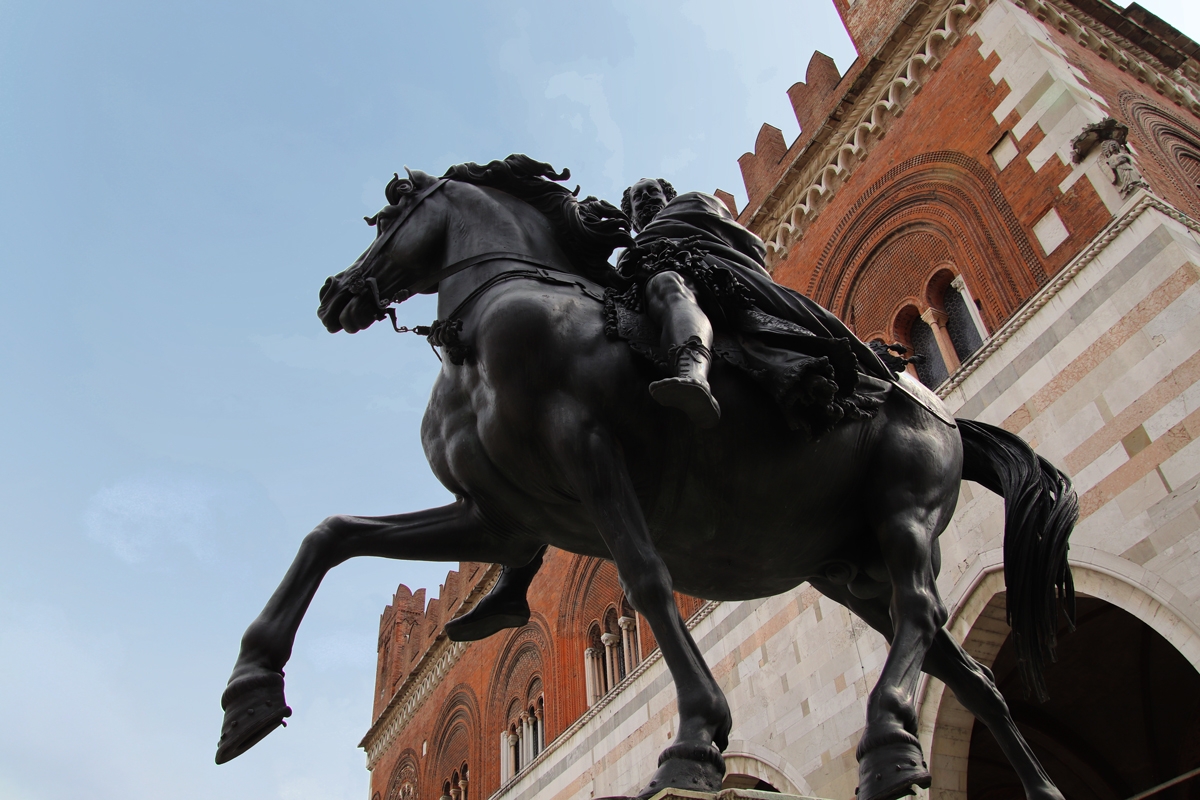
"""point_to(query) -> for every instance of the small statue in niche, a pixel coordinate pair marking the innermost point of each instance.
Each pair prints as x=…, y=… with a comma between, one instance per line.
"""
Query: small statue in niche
x=1119, y=166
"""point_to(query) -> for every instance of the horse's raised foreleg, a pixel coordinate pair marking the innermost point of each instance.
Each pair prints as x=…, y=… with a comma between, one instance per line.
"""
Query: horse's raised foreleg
x=971, y=682
x=253, y=700
x=693, y=761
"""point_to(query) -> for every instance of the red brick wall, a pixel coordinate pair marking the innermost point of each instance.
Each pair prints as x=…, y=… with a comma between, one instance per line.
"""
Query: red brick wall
x=461, y=721
x=871, y=22
x=929, y=195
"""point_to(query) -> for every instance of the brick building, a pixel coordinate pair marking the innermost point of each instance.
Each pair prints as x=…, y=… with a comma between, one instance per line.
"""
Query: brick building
x=1011, y=188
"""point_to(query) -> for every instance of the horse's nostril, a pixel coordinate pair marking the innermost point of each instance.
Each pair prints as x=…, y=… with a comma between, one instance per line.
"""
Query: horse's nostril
x=325, y=289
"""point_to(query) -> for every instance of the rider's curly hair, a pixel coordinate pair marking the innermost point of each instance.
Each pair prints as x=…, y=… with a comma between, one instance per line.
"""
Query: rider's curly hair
x=588, y=230
x=627, y=204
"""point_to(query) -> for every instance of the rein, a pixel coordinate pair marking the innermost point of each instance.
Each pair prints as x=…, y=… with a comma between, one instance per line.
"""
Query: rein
x=445, y=332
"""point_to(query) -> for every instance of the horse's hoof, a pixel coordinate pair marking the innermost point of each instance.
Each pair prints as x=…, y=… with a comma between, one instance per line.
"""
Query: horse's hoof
x=697, y=768
x=691, y=397
x=483, y=620
x=254, y=706
x=891, y=771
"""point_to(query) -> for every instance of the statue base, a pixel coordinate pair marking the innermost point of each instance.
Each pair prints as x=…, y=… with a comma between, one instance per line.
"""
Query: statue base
x=727, y=794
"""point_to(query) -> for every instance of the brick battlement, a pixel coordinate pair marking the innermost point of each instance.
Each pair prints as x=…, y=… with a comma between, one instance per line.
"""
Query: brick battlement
x=408, y=628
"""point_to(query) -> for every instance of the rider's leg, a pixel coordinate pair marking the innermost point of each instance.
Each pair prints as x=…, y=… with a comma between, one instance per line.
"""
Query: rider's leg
x=504, y=606
x=687, y=337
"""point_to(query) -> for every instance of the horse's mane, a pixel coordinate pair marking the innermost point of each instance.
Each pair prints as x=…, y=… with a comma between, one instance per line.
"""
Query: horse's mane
x=588, y=230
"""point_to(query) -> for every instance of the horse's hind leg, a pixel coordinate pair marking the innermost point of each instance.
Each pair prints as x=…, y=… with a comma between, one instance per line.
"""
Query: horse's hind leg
x=975, y=687
x=890, y=761
x=971, y=682
x=253, y=700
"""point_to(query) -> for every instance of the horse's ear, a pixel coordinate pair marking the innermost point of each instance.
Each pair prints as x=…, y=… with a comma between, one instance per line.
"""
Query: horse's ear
x=411, y=177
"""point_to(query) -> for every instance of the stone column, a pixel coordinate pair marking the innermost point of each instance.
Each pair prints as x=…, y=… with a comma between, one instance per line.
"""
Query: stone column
x=610, y=658
x=505, y=758
x=936, y=320
x=526, y=754
x=589, y=669
x=960, y=286
x=540, y=712
x=514, y=754
x=628, y=632
x=462, y=787
x=456, y=791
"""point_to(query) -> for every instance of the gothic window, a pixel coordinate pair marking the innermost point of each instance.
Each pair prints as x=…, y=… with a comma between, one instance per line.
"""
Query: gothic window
x=911, y=329
x=614, y=656
x=403, y=782
x=1190, y=164
x=931, y=369
x=594, y=669
x=525, y=737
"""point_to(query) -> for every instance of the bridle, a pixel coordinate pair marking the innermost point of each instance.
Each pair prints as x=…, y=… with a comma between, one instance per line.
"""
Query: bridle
x=358, y=283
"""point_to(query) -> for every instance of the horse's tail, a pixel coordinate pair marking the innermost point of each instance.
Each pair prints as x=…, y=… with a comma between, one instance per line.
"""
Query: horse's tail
x=1040, y=510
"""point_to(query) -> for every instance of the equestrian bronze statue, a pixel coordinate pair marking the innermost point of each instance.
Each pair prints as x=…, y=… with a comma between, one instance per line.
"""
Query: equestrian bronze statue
x=707, y=430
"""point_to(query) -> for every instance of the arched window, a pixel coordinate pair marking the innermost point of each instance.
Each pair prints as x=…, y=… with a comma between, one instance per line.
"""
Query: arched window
x=1172, y=143
x=594, y=671
x=614, y=656
x=911, y=329
x=931, y=369
x=403, y=782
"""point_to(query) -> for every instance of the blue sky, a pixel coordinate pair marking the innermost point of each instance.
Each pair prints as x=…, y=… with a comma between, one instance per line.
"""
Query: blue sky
x=176, y=182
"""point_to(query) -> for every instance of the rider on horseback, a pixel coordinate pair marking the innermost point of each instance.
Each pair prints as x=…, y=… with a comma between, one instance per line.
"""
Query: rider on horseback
x=691, y=257
x=694, y=263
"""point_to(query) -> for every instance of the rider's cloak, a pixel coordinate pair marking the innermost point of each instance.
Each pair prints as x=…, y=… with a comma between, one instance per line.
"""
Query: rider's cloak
x=776, y=334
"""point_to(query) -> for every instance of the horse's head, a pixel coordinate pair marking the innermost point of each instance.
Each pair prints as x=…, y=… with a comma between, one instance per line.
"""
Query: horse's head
x=398, y=263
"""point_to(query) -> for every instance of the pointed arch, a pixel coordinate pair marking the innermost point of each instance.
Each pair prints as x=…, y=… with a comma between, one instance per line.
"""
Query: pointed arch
x=934, y=209
x=1172, y=143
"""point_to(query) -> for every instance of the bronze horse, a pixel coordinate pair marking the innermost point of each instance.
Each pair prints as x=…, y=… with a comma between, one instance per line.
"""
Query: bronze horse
x=542, y=427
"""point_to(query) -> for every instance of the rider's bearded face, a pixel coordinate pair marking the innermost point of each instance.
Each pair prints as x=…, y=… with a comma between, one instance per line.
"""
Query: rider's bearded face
x=646, y=198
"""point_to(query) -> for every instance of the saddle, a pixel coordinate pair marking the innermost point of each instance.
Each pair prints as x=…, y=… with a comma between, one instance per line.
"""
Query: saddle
x=740, y=345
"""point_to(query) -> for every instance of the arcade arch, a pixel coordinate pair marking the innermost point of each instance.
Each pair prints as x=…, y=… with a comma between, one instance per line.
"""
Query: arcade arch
x=1127, y=743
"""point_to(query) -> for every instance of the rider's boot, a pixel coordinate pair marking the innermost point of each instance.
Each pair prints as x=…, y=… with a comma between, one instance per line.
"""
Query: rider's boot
x=505, y=606
x=689, y=390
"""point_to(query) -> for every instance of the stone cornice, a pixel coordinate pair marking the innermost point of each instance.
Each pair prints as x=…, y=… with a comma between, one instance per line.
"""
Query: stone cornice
x=811, y=180
x=1181, y=86
x=433, y=665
